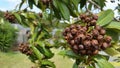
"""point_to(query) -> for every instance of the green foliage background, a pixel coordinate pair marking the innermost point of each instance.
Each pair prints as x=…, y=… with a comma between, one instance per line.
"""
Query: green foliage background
x=7, y=36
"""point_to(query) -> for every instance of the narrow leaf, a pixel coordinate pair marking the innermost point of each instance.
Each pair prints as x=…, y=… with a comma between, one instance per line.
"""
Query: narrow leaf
x=112, y=51
x=48, y=63
x=114, y=25
x=105, y=17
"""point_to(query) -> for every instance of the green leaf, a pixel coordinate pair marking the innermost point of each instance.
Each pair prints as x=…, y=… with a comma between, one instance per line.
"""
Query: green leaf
x=18, y=17
x=101, y=3
x=75, y=3
x=113, y=33
x=113, y=25
x=47, y=63
x=112, y=52
x=37, y=52
x=22, y=2
x=63, y=9
x=31, y=2
x=90, y=6
x=75, y=65
x=69, y=53
x=82, y=3
x=103, y=63
x=105, y=17
x=45, y=51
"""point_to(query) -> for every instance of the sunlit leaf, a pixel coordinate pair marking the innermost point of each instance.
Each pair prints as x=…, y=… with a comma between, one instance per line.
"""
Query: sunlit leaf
x=103, y=63
x=105, y=17
x=48, y=63
x=113, y=25
x=112, y=52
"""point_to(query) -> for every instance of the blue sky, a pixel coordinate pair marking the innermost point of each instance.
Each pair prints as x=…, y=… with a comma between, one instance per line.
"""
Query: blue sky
x=8, y=4
x=11, y=4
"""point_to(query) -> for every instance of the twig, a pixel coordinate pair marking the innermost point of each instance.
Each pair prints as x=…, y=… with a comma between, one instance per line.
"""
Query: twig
x=90, y=1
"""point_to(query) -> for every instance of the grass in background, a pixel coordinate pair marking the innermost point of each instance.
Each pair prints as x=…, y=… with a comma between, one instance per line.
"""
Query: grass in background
x=18, y=60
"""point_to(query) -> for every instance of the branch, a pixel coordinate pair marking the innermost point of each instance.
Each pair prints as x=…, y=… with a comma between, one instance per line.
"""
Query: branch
x=92, y=2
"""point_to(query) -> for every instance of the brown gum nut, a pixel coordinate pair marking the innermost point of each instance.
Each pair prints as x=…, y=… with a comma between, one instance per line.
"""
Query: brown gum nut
x=95, y=17
x=77, y=41
x=93, y=23
x=100, y=37
x=97, y=27
x=73, y=31
x=87, y=43
x=87, y=19
x=104, y=45
x=69, y=36
x=66, y=37
x=72, y=42
x=72, y=26
x=81, y=37
x=108, y=39
x=94, y=42
x=81, y=47
x=75, y=47
x=82, y=31
x=95, y=32
x=64, y=33
x=83, y=16
x=88, y=37
x=82, y=52
x=95, y=52
x=67, y=30
x=78, y=27
x=102, y=31
x=84, y=28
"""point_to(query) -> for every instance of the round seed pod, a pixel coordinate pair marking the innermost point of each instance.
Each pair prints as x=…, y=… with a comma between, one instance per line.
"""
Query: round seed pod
x=88, y=37
x=94, y=42
x=104, y=46
x=81, y=37
x=87, y=19
x=81, y=31
x=100, y=38
x=72, y=27
x=93, y=23
x=69, y=36
x=97, y=27
x=87, y=43
x=95, y=52
x=83, y=16
x=108, y=39
x=81, y=47
x=95, y=33
x=84, y=28
x=73, y=31
x=95, y=17
x=78, y=27
x=83, y=52
x=102, y=32
x=72, y=42
x=75, y=47
x=77, y=41
x=67, y=30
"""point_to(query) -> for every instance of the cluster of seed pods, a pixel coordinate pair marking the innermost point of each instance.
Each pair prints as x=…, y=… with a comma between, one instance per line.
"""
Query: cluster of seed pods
x=86, y=41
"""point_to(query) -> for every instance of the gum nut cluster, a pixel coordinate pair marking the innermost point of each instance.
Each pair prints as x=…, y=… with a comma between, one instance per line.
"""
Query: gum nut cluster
x=86, y=41
x=10, y=17
x=25, y=49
